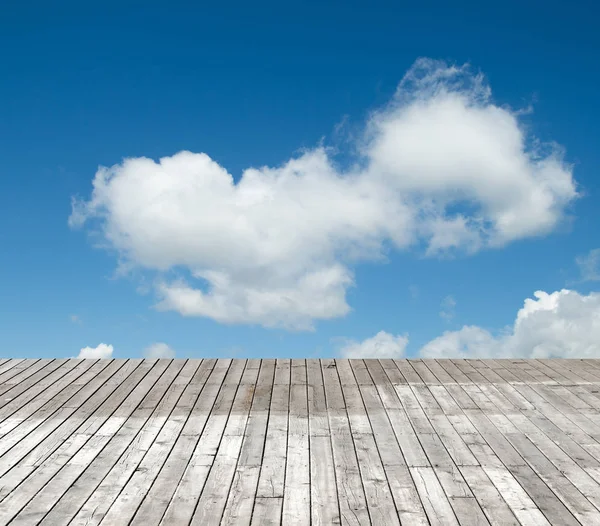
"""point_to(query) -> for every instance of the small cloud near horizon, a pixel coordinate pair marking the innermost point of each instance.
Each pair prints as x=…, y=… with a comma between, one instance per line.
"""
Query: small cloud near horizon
x=159, y=350
x=102, y=352
x=382, y=345
x=561, y=324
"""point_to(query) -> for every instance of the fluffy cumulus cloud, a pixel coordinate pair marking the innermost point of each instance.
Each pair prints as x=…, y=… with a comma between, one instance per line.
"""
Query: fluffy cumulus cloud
x=382, y=345
x=563, y=324
x=103, y=351
x=441, y=166
x=159, y=350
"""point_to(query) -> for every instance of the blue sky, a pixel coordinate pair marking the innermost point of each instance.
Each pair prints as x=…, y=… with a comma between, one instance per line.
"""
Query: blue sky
x=414, y=218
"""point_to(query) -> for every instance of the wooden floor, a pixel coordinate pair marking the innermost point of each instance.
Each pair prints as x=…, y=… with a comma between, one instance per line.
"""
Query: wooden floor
x=300, y=442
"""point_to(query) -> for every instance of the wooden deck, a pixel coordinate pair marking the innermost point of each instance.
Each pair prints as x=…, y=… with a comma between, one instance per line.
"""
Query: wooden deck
x=300, y=442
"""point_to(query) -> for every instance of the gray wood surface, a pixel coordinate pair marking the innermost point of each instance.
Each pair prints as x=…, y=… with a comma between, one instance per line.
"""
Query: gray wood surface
x=300, y=442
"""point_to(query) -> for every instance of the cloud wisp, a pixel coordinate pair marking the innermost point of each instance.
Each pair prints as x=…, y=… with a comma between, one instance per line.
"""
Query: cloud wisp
x=589, y=266
x=442, y=166
x=448, y=308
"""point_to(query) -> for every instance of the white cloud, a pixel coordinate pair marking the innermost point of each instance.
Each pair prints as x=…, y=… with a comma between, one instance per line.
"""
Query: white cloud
x=382, y=345
x=442, y=165
x=159, y=350
x=589, y=265
x=103, y=351
x=448, y=305
x=563, y=324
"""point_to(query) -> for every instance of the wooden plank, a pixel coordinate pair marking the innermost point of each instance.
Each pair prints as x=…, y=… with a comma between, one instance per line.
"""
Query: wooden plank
x=468, y=370
x=383, y=433
x=380, y=502
x=503, y=372
x=350, y=442
x=282, y=372
x=375, y=370
x=242, y=497
x=436, y=504
x=521, y=504
x=317, y=407
x=9, y=364
x=148, y=492
x=544, y=498
x=267, y=511
x=298, y=372
x=556, y=374
x=256, y=429
x=351, y=494
x=493, y=505
x=99, y=502
x=440, y=373
x=272, y=472
x=207, y=420
x=238, y=508
x=241, y=454
x=384, y=386
x=412, y=450
x=518, y=369
x=408, y=371
x=324, y=499
x=580, y=369
x=406, y=497
x=33, y=385
x=111, y=411
x=34, y=447
x=468, y=511
x=556, y=468
x=559, y=428
x=392, y=372
x=211, y=503
x=424, y=372
x=491, y=428
x=489, y=373
x=57, y=495
x=18, y=410
x=454, y=372
x=22, y=381
x=97, y=487
x=361, y=373
x=579, y=506
x=357, y=413
x=297, y=494
x=18, y=372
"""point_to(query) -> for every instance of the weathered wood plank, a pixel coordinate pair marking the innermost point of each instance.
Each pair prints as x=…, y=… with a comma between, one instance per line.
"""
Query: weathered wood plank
x=300, y=442
x=88, y=500
x=32, y=448
x=111, y=411
x=351, y=494
x=82, y=474
x=206, y=423
x=436, y=503
x=296, y=493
